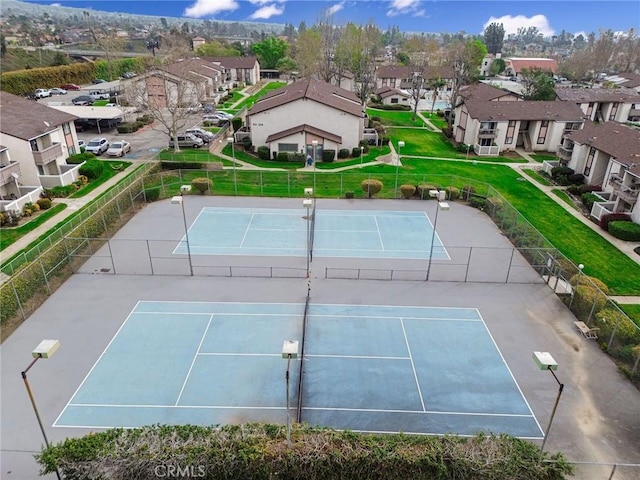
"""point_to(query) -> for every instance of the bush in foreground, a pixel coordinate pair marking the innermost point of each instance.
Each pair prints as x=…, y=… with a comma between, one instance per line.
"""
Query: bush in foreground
x=259, y=451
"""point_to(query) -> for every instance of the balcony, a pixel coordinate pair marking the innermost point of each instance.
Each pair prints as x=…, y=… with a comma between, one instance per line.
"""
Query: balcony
x=615, y=181
x=565, y=153
x=629, y=195
x=48, y=155
x=7, y=170
x=488, y=133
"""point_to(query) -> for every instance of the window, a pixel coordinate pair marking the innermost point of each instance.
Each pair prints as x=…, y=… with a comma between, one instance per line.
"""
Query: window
x=590, y=109
x=288, y=147
x=614, y=111
x=485, y=142
x=394, y=100
x=65, y=128
x=510, y=131
x=542, y=135
x=587, y=167
x=569, y=126
x=34, y=145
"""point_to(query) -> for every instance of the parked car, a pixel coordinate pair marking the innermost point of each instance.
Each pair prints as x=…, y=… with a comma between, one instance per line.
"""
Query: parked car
x=119, y=148
x=217, y=118
x=42, y=93
x=209, y=108
x=187, y=140
x=97, y=146
x=82, y=100
x=70, y=86
x=206, y=136
x=58, y=91
x=96, y=81
x=129, y=74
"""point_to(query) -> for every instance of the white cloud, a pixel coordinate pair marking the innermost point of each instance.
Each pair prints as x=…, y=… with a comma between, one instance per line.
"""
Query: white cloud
x=335, y=8
x=56, y=4
x=511, y=23
x=264, y=2
x=202, y=8
x=267, y=12
x=401, y=7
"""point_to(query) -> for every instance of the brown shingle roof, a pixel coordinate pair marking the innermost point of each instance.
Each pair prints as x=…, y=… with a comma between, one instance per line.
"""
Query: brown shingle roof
x=194, y=65
x=612, y=138
x=404, y=72
x=548, y=64
x=633, y=79
x=314, y=90
x=584, y=95
x=305, y=128
x=525, y=110
x=26, y=119
x=384, y=92
x=234, y=62
x=482, y=92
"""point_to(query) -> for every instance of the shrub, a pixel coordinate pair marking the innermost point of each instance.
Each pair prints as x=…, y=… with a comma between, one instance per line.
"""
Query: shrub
x=80, y=157
x=467, y=191
x=152, y=194
x=561, y=171
x=298, y=157
x=349, y=194
x=283, y=157
x=246, y=143
x=407, y=191
x=453, y=193
x=328, y=156
x=29, y=209
x=588, y=199
x=44, y=203
x=447, y=132
x=92, y=169
x=574, y=189
x=576, y=178
x=83, y=179
x=589, y=188
x=343, y=153
x=263, y=152
x=376, y=119
x=10, y=218
x=625, y=230
x=365, y=144
x=581, y=279
x=169, y=165
x=477, y=202
x=127, y=127
x=627, y=332
x=203, y=185
x=613, y=217
x=62, y=191
x=371, y=187
x=355, y=152
x=236, y=123
x=587, y=299
x=422, y=190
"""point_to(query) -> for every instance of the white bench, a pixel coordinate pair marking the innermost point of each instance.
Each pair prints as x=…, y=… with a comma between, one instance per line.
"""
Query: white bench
x=587, y=331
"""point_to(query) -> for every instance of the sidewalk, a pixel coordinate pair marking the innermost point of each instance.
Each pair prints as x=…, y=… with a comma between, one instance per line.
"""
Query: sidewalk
x=73, y=205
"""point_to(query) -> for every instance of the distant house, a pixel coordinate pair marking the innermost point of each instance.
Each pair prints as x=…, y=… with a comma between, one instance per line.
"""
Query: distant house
x=209, y=74
x=197, y=42
x=238, y=69
x=304, y=114
x=492, y=127
x=515, y=66
x=35, y=145
x=608, y=155
x=483, y=92
x=401, y=76
x=392, y=96
x=628, y=80
x=603, y=104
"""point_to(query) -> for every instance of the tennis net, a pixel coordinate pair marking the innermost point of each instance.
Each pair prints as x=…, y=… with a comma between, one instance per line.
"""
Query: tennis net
x=304, y=334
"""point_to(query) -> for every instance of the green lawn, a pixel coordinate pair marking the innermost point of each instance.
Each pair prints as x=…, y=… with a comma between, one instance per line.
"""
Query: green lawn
x=536, y=176
x=395, y=118
x=424, y=143
x=11, y=235
x=249, y=101
x=562, y=195
x=188, y=155
x=633, y=311
x=434, y=118
x=107, y=173
x=235, y=97
x=542, y=157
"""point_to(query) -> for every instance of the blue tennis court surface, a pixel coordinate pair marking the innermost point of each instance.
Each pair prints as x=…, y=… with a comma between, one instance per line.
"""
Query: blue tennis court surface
x=337, y=233
x=366, y=368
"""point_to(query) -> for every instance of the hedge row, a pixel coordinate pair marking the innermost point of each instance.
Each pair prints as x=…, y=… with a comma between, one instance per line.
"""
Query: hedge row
x=24, y=82
x=259, y=451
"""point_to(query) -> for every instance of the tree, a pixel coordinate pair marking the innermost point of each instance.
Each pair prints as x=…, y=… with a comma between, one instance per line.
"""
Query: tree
x=419, y=51
x=286, y=65
x=306, y=52
x=497, y=66
x=3, y=45
x=169, y=111
x=436, y=84
x=59, y=59
x=494, y=37
x=465, y=57
x=537, y=84
x=216, y=49
x=270, y=51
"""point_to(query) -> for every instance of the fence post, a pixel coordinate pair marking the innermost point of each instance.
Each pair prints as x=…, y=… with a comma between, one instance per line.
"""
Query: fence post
x=44, y=274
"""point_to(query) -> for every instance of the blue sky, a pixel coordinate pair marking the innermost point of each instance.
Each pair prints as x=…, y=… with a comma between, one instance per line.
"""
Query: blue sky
x=550, y=17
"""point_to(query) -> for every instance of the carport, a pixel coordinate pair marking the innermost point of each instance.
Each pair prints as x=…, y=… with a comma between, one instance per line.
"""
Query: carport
x=101, y=117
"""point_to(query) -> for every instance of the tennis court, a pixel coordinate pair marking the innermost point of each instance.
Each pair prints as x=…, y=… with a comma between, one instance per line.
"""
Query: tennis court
x=365, y=368
x=334, y=233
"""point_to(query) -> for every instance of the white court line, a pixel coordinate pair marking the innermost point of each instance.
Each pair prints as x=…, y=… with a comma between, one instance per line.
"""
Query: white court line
x=214, y=354
x=367, y=357
x=191, y=407
x=430, y=412
x=193, y=361
x=96, y=363
x=510, y=373
x=434, y=434
x=375, y=219
x=415, y=374
x=246, y=230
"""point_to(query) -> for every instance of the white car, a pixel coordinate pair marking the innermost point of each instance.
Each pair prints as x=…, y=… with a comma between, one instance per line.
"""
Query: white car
x=57, y=91
x=42, y=93
x=119, y=148
x=82, y=144
x=97, y=146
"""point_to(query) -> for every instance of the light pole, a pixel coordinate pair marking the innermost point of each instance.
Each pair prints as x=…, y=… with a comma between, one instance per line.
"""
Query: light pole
x=233, y=153
x=314, y=145
x=45, y=349
x=573, y=289
x=439, y=196
x=289, y=352
x=307, y=202
x=545, y=361
x=179, y=199
x=400, y=145
x=361, y=152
